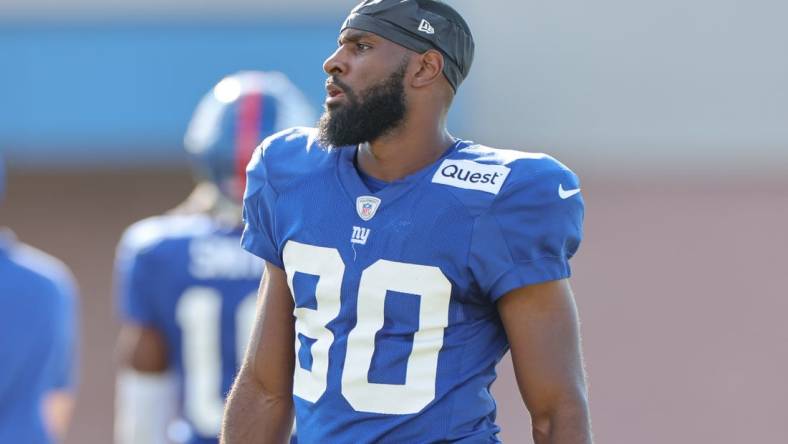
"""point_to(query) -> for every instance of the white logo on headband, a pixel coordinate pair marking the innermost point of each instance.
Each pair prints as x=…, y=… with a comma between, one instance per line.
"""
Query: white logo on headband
x=426, y=27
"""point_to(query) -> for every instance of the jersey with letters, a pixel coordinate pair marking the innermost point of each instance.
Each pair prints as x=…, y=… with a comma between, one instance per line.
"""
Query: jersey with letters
x=397, y=332
x=38, y=336
x=187, y=277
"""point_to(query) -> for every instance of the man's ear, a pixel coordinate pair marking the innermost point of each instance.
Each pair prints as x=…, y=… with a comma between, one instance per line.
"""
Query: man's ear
x=430, y=69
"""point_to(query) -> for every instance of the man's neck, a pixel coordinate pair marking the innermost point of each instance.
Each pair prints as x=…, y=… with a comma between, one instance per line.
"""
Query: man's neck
x=405, y=150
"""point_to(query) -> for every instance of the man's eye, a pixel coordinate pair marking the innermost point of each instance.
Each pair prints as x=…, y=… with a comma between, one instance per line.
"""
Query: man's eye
x=362, y=47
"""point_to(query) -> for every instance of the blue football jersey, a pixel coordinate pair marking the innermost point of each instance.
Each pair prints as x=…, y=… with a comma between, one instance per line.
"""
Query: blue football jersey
x=38, y=336
x=187, y=277
x=397, y=331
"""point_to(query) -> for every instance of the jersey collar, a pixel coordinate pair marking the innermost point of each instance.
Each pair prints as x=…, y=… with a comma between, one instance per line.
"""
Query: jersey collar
x=354, y=185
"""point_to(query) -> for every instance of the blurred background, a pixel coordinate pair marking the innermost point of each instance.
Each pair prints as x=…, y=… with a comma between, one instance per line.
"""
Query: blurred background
x=673, y=113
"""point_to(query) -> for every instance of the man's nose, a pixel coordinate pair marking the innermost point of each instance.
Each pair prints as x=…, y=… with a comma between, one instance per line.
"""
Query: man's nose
x=335, y=63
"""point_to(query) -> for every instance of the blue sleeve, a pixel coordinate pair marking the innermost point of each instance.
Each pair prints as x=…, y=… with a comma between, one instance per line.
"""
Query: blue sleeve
x=135, y=283
x=530, y=232
x=258, y=211
x=62, y=365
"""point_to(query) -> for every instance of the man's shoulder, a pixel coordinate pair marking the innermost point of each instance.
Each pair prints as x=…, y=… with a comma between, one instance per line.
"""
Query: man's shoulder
x=480, y=175
x=519, y=165
x=288, y=156
x=33, y=269
x=151, y=235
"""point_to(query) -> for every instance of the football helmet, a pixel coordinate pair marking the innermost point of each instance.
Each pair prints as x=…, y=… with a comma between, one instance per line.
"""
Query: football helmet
x=234, y=117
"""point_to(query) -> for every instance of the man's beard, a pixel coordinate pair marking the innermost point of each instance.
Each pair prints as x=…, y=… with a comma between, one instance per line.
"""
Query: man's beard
x=367, y=116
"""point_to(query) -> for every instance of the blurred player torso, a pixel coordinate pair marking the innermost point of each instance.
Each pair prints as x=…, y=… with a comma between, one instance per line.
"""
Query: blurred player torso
x=187, y=277
x=37, y=305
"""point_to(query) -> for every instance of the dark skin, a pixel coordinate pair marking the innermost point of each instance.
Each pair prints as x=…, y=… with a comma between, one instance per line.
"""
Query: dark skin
x=142, y=349
x=542, y=326
x=540, y=320
x=260, y=406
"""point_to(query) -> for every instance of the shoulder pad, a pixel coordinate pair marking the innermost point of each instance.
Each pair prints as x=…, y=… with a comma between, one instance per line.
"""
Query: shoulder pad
x=289, y=156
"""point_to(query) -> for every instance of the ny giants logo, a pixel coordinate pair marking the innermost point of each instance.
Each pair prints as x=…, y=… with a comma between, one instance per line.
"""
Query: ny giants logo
x=360, y=235
x=471, y=175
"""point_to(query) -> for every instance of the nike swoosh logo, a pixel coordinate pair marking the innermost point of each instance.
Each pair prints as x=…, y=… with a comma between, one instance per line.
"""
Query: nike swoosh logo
x=566, y=194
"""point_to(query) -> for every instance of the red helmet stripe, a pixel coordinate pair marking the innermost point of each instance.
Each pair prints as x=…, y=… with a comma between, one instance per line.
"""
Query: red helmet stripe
x=250, y=113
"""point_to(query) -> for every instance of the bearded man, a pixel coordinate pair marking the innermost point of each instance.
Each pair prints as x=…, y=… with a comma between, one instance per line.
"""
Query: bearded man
x=402, y=263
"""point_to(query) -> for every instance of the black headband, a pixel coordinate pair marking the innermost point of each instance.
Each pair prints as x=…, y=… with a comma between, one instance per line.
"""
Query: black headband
x=419, y=27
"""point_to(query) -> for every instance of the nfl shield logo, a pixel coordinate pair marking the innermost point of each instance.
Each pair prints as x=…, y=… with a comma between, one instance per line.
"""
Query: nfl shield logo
x=367, y=206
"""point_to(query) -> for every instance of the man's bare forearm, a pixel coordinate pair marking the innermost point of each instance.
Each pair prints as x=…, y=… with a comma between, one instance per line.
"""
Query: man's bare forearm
x=260, y=406
x=567, y=425
x=254, y=416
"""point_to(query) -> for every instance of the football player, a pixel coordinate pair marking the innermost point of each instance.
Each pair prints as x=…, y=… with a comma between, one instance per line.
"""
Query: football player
x=38, y=336
x=402, y=262
x=187, y=290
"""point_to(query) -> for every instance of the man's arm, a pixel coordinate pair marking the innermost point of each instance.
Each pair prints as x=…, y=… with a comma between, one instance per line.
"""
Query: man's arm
x=542, y=326
x=145, y=398
x=260, y=405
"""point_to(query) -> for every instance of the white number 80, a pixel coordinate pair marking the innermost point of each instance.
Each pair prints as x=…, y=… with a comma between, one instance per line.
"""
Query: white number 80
x=428, y=282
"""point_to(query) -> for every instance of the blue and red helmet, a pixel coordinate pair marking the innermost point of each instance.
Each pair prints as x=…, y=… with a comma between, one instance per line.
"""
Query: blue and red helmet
x=234, y=117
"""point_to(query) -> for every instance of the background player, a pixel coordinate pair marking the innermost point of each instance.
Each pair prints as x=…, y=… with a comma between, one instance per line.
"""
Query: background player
x=37, y=342
x=186, y=289
x=412, y=260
